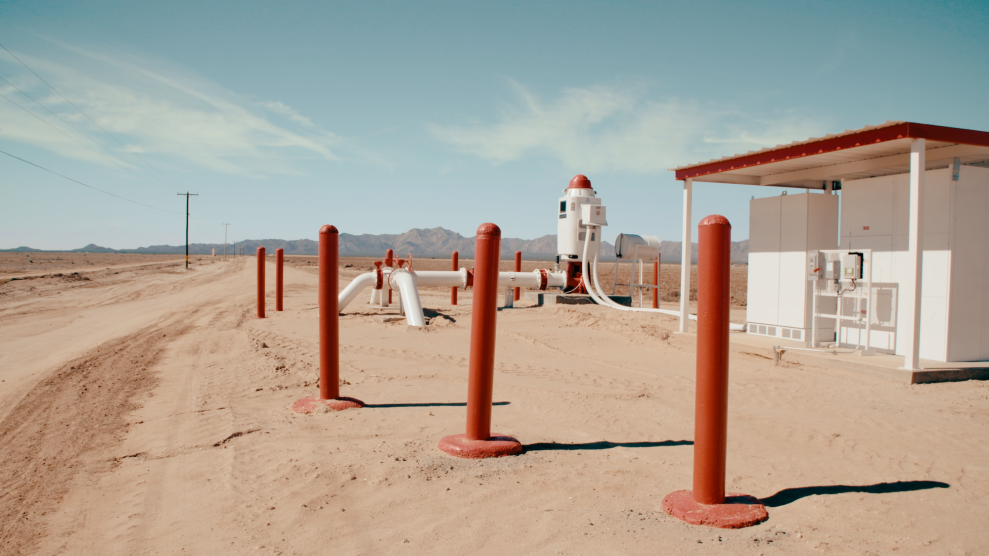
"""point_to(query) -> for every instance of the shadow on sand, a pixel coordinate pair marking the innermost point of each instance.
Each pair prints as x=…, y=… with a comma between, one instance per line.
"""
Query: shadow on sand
x=603, y=445
x=789, y=495
x=457, y=404
x=432, y=314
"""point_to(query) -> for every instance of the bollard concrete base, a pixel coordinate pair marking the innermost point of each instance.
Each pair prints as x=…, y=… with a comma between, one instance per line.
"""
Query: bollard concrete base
x=738, y=511
x=497, y=446
x=312, y=404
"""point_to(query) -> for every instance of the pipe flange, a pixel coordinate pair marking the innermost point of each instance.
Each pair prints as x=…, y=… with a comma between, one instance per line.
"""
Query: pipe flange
x=543, y=280
x=393, y=273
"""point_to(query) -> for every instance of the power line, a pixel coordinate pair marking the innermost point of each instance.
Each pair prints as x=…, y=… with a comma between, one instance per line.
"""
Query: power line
x=87, y=185
x=209, y=212
x=12, y=101
x=97, y=143
x=84, y=114
x=206, y=234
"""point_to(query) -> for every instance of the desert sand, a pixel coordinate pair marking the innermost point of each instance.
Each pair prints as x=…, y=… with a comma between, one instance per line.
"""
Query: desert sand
x=143, y=410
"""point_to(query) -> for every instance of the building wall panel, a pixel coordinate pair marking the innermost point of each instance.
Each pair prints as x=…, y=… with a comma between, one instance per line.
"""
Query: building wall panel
x=793, y=298
x=764, y=260
x=968, y=280
x=867, y=205
x=882, y=204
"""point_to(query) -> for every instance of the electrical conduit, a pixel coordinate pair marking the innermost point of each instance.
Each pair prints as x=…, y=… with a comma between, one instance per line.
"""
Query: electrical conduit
x=602, y=299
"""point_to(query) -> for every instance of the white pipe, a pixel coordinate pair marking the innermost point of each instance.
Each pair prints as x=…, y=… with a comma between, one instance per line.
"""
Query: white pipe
x=604, y=300
x=458, y=279
x=405, y=282
x=354, y=288
x=531, y=279
x=442, y=278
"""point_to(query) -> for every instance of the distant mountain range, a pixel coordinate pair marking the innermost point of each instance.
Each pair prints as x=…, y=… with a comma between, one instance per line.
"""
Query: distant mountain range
x=421, y=242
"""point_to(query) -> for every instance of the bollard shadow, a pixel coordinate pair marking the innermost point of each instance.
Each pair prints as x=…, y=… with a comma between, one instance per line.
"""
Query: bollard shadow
x=603, y=445
x=453, y=404
x=790, y=495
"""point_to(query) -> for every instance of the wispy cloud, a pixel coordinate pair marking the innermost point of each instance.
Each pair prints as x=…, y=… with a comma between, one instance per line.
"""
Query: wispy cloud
x=289, y=112
x=608, y=128
x=179, y=120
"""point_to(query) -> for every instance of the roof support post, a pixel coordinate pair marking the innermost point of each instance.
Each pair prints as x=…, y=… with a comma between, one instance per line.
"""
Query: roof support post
x=911, y=323
x=686, y=249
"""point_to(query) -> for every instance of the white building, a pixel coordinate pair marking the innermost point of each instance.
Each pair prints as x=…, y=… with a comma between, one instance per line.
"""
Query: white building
x=914, y=213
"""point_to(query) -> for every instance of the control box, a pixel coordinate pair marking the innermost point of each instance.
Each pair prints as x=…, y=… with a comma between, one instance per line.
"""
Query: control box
x=815, y=265
x=851, y=266
x=832, y=270
x=593, y=214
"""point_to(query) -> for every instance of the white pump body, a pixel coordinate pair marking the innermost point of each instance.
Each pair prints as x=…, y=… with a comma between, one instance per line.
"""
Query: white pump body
x=571, y=230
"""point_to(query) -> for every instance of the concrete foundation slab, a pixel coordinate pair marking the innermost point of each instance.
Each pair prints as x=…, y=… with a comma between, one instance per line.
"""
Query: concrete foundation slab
x=885, y=366
x=558, y=298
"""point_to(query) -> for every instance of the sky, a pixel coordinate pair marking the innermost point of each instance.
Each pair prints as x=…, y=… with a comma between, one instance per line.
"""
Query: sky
x=379, y=117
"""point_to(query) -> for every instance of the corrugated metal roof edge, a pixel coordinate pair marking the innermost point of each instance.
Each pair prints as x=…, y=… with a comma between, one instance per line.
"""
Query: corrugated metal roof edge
x=793, y=144
x=830, y=143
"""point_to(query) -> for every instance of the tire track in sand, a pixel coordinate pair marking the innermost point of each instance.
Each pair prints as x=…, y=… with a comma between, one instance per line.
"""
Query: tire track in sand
x=65, y=426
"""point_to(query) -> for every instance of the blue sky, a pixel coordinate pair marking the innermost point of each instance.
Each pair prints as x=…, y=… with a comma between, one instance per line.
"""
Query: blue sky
x=383, y=116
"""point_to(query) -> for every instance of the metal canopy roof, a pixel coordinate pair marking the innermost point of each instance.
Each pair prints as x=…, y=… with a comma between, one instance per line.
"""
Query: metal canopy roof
x=861, y=153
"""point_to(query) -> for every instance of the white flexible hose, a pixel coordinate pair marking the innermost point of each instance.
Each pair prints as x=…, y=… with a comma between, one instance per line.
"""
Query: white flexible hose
x=601, y=298
x=605, y=300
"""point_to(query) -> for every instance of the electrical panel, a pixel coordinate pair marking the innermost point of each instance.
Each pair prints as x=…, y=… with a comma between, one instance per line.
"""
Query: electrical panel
x=832, y=270
x=593, y=214
x=851, y=266
x=815, y=265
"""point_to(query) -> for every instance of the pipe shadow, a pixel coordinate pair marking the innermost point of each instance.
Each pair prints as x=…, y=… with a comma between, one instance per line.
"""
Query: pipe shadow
x=453, y=404
x=603, y=445
x=431, y=314
x=790, y=495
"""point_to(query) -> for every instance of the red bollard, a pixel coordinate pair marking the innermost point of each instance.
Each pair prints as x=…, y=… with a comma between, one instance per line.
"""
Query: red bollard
x=518, y=268
x=279, y=261
x=389, y=255
x=708, y=504
x=479, y=442
x=453, y=290
x=329, y=330
x=260, y=283
x=655, y=282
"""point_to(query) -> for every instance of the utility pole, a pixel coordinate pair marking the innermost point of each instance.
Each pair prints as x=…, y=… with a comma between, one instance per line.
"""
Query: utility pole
x=187, y=195
x=225, y=228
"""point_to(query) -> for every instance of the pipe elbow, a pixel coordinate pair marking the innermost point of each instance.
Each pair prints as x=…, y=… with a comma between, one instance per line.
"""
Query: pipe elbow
x=354, y=288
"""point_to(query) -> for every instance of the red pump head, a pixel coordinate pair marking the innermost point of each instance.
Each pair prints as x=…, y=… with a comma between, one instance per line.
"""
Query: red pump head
x=580, y=181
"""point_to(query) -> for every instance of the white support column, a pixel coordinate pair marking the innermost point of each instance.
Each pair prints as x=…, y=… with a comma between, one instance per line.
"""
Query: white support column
x=911, y=296
x=687, y=251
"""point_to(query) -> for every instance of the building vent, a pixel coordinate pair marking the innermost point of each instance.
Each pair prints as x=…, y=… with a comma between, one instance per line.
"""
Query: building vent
x=786, y=332
x=798, y=334
x=772, y=331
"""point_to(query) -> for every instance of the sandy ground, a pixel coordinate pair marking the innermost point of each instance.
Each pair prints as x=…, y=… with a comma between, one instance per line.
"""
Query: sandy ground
x=14, y=264
x=144, y=411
